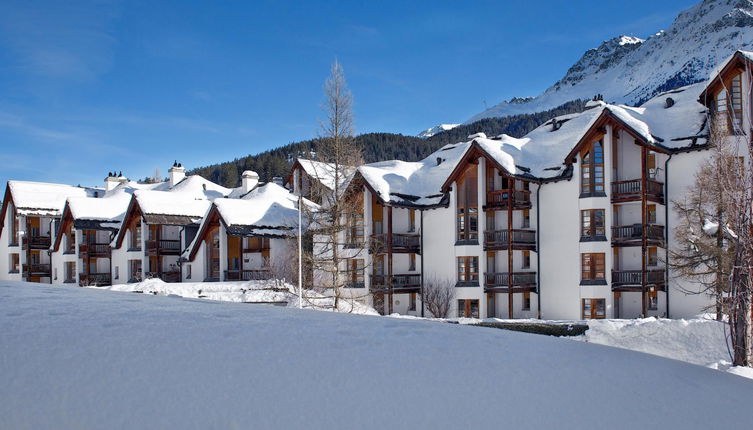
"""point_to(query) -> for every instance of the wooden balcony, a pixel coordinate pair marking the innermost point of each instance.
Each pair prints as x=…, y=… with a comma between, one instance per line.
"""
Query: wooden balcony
x=632, y=235
x=36, y=242
x=401, y=243
x=172, y=276
x=163, y=247
x=630, y=191
x=407, y=283
x=500, y=282
x=248, y=275
x=496, y=240
x=37, y=270
x=502, y=199
x=97, y=250
x=631, y=280
x=85, y=279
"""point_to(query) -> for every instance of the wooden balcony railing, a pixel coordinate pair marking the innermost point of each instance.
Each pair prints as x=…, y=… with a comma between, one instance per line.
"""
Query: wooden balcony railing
x=85, y=279
x=37, y=269
x=401, y=242
x=633, y=234
x=502, y=279
x=500, y=239
x=163, y=246
x=500, y=199
x=94, y=249
x=630, y=190
x=248, y=275
x=36, y=242
x=399, y=282
x=635, y=277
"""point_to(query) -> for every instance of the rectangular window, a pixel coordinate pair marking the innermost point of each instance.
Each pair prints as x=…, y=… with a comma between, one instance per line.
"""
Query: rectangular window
x=594, y=309
x=467, y=205
x=653, y=258
x=412, y=302
x=526, y=259
x=135, y=236
x=15, y=263
x=355, y=272
x=116, y=273
x=70, y=271
x=526, y=301
x=526, y=218
x=412, y=262
x=592, y=171
x=653, y=301
x=411, y=220
x=14, y=223
x=651, y=214
x=592, y=225
x=134, y=270
x=593, y=267
x=468, y=270
x=468, y=308
x=354, y=230
x=55, y=274
x=188, y=271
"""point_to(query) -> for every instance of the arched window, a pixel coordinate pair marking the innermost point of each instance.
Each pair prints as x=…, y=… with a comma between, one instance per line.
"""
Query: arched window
x=592, y=171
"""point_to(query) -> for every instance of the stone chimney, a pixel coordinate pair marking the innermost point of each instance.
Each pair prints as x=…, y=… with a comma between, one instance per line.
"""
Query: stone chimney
x=249, y=181
x=114, y=179
x=177, y=173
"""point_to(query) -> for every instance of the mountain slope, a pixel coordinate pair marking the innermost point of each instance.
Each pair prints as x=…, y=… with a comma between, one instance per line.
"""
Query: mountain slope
x=630, y=70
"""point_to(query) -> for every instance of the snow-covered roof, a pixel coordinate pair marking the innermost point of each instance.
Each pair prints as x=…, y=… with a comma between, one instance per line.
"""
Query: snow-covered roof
x=45, y=199
x=197, y=187
x=111, y=207
x=268, y=206
x=171, y=203
x=325, y=172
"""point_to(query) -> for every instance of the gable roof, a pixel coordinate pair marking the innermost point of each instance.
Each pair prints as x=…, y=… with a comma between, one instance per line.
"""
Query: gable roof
x=735, y=62
x=324, y=173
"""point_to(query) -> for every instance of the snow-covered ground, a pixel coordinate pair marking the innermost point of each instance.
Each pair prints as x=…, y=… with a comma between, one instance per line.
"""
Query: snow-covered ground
x=73, y=358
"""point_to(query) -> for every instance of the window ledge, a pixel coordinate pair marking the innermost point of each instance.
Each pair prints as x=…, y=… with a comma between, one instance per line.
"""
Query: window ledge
x=598, y=194
x=69, y=282
x=593, y=239
x=15, y=272
x=466, y=242
x=593, y=282
x=12, y=244
x=357, y=285
x=69, y=252
x=134, y=249
x=466, y=284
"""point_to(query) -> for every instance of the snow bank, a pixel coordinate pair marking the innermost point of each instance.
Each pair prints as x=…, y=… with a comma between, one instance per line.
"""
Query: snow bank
x=73, y=358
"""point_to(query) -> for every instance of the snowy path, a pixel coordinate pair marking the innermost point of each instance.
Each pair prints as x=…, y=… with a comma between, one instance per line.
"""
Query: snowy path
x=74, y=358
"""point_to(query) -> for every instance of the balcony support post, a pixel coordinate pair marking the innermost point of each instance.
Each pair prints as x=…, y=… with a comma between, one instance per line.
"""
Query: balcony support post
x=389, y=259
x=509, y=249
x=644, y=229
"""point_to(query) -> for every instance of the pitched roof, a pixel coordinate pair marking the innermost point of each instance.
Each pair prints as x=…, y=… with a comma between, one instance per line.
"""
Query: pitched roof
x=325, y=172
x=45, y=199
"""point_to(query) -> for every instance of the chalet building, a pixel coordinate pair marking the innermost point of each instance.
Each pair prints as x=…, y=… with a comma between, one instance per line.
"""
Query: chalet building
x=315, y=180
x=246, y=239
x=29, y=217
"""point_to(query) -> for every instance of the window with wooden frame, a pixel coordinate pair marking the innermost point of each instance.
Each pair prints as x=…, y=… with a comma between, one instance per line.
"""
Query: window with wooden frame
x=134, y=270
x=467, y=271
x=490, y=173
x=526, y=260
x=134, y=234
x=592, y=171
x=70, y=240
x=468, y=308
x=728, y=105
x=15, y=263
x=593, y=269
x=652, y=257
x=592, y=225
x=526, y=218
x=354, y=231
x=411, y=220
x=70, y=271
x=653, y=300
x=651, y=164
x=355, y=272
x=467, y=206
x=412, y=262
x=526, y=301
x=14, y=225
x=651, y=214
x=412, y=302
x=593, y=309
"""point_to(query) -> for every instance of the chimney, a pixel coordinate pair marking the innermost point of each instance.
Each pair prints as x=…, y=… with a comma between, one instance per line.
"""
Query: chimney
x=177, y=173
x=249, y=181
x=111, y=181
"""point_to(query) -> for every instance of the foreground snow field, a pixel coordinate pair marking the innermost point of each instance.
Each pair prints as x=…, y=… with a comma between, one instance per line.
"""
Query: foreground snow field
x=74, y=358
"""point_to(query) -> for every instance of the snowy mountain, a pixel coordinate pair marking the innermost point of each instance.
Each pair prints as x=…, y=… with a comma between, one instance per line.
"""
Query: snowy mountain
x=429, y=132
x=630, y=70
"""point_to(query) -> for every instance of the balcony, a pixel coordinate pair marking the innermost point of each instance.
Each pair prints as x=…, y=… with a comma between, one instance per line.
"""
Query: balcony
x=36, y=242
x=502, y=199
x=496, y=240
x=630, y=191
x=248, y=275
x=627, y=280
x=96, y=250
x=85, y=279
x=401, y=243
x=632, y=235
x=500, y=282
x=163, y=247
x=172, y=276
x=408, y=283
x=36, y=270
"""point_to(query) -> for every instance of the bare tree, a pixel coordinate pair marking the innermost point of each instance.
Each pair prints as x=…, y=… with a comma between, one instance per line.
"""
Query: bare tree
x=337, y=225
x=438, y=295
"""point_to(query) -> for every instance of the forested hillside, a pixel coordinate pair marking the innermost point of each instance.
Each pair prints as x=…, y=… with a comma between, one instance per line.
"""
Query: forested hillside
x=380, y=146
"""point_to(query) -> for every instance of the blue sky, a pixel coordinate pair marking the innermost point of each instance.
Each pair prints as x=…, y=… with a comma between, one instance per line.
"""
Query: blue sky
x=89, y=87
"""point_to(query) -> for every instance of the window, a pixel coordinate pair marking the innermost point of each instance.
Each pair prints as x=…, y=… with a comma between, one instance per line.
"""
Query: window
x=134, y=270
x=188, y=271
x=70, y=271
x=526, y=218
x=653, y=301
x=592, y=225
x=354, y=230
x=116, y=273
x=55, y=274
x=411, y=220
x=594, y=309
x=729, y=105
x=412, y=302
x=412, y=262
x=652, y=257
x=468, y=308
x=526, y=259
x=651, y=164
x=592, y=171
x=355, y=272
x=593, y=269
x=467, y=206
x=15, y=263
x=468, y=271
x=651, y=214
x=135, y=236
x=526, y=301
x=14, y=223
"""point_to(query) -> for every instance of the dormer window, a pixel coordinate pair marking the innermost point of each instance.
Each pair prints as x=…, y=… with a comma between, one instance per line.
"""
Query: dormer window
x=592, y=171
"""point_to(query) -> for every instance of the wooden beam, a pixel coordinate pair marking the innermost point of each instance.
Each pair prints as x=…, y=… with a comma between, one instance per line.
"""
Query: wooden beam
x=389, y=258
x=509, y=248
x=644, y=237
